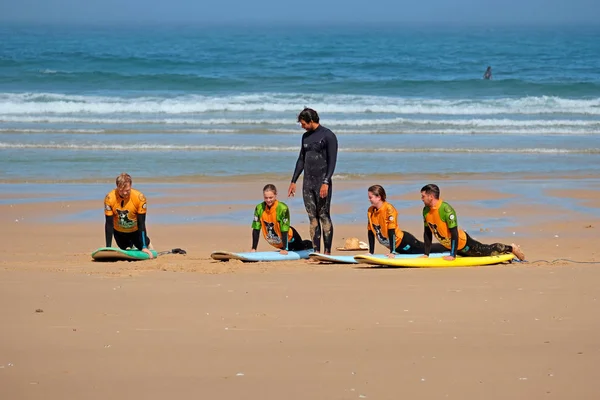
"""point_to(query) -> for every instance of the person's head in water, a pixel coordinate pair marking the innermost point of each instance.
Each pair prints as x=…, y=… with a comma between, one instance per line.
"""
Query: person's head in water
x=270, y=194
x=430, y=194
x=488, y=73
x=124, y=182
x=377, y=195
x=308, y=119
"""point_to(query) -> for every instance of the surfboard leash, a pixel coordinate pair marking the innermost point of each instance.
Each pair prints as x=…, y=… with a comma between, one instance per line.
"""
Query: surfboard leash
x=173, y=251
x=555, y=260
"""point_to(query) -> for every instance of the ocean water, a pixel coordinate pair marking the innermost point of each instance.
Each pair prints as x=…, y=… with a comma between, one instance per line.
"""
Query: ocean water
x=84, y=104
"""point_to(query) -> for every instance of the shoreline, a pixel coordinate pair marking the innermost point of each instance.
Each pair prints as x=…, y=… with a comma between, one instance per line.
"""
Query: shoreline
x=339, y=179
x=550, y=218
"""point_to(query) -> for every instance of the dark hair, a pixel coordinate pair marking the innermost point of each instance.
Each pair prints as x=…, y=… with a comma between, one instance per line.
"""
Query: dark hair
x=378, y=190
x=270, y=188
x=431, y=189
x=308, y=115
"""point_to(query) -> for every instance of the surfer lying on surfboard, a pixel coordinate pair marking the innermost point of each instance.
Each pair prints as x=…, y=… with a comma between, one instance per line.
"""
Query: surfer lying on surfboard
x=125, y=212
x=383, y=224
x=440, y=220
x=273, y=218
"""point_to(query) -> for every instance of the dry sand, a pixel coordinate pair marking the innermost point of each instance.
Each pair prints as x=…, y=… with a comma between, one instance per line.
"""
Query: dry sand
x=189, y=327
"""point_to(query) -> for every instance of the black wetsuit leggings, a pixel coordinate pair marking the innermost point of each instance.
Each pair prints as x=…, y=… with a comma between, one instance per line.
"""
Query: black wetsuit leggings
x=130, y=239
x=297, y=243
x=412, y=245
x=475, y=249
x=318, y=212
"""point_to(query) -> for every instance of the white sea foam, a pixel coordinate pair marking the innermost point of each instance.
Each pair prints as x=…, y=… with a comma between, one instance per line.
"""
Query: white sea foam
x=277, y=149
x=289, y=104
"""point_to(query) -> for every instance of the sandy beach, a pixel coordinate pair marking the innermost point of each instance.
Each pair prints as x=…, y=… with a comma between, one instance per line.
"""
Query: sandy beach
x=189, y=327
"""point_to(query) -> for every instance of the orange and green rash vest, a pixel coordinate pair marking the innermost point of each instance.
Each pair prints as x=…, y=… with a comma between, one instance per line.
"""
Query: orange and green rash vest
x=273, y=220
x=440, y=219
x=381, y=221
x=125, y=211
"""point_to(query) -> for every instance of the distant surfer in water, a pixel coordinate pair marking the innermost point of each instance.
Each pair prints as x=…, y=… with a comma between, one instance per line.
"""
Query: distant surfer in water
x=488, y=73
x=273, y=218
x=440, y=220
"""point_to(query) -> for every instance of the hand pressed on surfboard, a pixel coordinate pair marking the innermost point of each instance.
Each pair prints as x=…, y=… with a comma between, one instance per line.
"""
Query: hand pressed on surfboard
x=147, y=251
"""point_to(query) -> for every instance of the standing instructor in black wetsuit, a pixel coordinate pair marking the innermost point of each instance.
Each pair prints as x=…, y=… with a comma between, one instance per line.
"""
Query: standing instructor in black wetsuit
x=317, y=158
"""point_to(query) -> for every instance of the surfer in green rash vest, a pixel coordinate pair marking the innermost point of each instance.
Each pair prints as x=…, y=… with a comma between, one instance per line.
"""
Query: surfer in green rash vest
x=440, y=220
x=273, y=218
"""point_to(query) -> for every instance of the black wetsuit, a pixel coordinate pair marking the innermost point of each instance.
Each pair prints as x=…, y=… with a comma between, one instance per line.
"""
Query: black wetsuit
x=317, y=158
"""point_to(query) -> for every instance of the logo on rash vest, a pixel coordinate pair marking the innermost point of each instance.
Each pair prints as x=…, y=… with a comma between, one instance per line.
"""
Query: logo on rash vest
x=107, y=207
x=272, y=236
x=255, y=218
x=124, y=220
x=452, y=216
x=391, y=218
x=144, y=206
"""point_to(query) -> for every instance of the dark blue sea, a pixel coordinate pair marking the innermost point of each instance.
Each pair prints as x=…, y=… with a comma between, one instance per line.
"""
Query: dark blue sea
x=86, y=103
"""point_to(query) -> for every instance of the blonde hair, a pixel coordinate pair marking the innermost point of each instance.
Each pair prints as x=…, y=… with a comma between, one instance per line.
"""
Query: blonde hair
x=270, y=188
x=123, y=179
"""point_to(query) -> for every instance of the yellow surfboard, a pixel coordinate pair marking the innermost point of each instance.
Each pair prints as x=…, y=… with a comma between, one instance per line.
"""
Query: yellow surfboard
x=433, y=262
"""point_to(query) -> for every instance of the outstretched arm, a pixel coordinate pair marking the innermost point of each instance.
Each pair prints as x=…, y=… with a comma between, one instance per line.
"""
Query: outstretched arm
x=299, y=165
x=371, y=236
x=392, y=239
x=108, y=230
x=284, y=240
x=453, y=241
x=427, y=239
x=332, y=150
x=255, y=237
x=142, y=229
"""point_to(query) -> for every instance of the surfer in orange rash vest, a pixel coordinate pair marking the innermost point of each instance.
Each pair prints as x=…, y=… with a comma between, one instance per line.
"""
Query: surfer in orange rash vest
x=383, y=225
x=125, y=212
